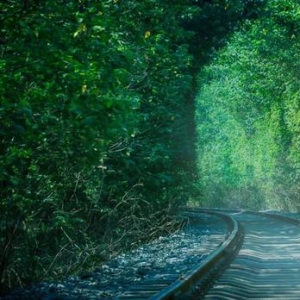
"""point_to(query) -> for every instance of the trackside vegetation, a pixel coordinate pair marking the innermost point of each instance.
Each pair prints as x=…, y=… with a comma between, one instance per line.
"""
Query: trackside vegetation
x=97, y=120
x=248, y=114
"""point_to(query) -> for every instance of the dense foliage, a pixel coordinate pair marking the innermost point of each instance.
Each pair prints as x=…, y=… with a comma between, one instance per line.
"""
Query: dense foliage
x=248, y=114
x=97, y=124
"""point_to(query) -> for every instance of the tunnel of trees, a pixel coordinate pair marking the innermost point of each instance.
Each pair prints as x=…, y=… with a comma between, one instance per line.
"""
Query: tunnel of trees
x=115, y=113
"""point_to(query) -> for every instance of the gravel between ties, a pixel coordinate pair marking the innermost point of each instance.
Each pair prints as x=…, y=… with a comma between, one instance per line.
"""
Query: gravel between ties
x=174, y=254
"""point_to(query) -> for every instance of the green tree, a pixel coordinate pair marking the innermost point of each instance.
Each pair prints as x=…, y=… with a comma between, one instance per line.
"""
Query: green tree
x=97, y=124
x=245, y=111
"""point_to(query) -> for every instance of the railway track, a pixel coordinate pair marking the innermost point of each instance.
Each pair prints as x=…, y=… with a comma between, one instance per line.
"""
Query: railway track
x=173, y=286
x=268, y=264
x=260, y=259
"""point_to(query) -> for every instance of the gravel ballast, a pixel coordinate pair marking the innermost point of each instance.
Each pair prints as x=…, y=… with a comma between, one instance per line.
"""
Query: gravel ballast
x=174, y=254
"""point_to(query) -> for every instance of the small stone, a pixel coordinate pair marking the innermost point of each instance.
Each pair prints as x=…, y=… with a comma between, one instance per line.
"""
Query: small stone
x=52, y=288
x=87, y=276
x=98, y=270
x=60, y=286
x=142, y=271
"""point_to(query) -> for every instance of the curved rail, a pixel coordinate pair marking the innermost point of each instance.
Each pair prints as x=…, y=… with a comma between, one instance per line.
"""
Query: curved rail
x=268, y=264
x=203, y=275
x=261, y=213
x=211, y=266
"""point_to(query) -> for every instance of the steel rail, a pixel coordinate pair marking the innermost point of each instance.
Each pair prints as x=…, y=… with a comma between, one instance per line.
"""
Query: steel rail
x=261, y=213
x=211, y=266
x=268, y=264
